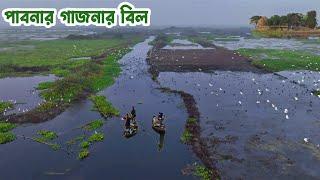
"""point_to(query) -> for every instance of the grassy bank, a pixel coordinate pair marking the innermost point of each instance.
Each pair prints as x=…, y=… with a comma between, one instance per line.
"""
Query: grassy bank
x=6, y=135
x=280, y=60
x=5, y=106
x=80, y=78
x=47, y=55
x=277, y=33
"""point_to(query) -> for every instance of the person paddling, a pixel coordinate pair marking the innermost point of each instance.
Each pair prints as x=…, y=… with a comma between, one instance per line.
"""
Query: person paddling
x=127, y=124
x=133, y=113
x=160, y=118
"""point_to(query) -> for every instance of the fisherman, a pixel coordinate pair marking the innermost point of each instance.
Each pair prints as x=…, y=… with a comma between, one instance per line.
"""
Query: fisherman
x=127, y=119
x=133, y=113
x=160, y=118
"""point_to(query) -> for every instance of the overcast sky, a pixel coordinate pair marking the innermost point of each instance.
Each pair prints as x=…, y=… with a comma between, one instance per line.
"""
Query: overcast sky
x=187, y=12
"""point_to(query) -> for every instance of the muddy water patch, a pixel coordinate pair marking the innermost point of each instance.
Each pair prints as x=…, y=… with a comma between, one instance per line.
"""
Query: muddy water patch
x=21, y=91
x=238, y=109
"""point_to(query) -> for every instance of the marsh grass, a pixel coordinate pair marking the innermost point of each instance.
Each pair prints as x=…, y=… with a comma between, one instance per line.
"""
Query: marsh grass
x=96, y=137
x=6, y=127
x=7, y=137
x=55, y=146
x=280, y=60
x=44, y=85
x=202, y=172
x=191, y=120
x=94, y=125
x=5, y=105
x=104, y=107
x=84, y=153
x=186, y=137
x=45, y=107
x=56, y=52
x=47, y=135
x=85, y=144
x=269, y=33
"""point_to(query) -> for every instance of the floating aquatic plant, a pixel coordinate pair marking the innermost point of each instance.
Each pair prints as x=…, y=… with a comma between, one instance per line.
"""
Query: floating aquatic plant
x=94, y=125
x=186, y=137
x=7, y=137
x=96, y=137
x=104, y=107
x=202, y=172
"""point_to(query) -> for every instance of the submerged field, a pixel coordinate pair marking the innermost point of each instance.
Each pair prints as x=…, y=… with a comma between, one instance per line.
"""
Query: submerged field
x=53, y=56
x=240, y=121
x=79, y=77
x=249, y=121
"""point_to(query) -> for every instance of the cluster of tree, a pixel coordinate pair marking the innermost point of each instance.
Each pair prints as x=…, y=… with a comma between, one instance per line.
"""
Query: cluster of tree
x=291, y=20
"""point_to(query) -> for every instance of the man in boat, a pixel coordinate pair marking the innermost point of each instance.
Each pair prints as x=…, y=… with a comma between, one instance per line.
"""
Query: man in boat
x=160, y=118
x=128, y=122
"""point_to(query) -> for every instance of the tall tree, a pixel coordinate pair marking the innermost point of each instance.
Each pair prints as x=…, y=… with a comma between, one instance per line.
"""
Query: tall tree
x=311, y=19
x=294, y=20
x=254, y=20
x=284, y=20
x=274, y=20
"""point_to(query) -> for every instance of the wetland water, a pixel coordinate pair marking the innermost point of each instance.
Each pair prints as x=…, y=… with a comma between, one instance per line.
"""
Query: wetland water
x=22, y=91
x=116, y=157
x=235, y=43
x=243, y=119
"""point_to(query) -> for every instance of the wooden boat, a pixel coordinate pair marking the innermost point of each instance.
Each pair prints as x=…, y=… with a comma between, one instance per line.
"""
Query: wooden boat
x=161, y=129
x=132, y=131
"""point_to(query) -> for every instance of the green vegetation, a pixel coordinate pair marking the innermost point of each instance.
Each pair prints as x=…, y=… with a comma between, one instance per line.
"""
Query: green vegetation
x=316, y=93
x=186, y=137
x=85, y=145
x=86, y=78
x=162, y=40
x=96, y=137
x=94, y=125
x=202, y=172
x=104, y=107
x=276, y=33
x=291, y=20
x=80, y=78
x=7, y=137
x=75, y=140
x=5, y=127
x=280, y=60
x=44, y=85
x=50, y=54
x=191, y=120
x=47, y=135
x=84, y=153
x=55, y=146
x=4, y=106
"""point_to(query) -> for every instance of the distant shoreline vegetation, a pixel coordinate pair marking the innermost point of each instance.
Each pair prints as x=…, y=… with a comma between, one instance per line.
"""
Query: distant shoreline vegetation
x=290, y=25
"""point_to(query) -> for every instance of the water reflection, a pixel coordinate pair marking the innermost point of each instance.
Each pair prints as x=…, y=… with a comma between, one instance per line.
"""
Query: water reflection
x=161, y=142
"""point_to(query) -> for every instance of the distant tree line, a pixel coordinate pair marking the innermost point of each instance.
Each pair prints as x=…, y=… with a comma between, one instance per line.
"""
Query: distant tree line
x=291, y=20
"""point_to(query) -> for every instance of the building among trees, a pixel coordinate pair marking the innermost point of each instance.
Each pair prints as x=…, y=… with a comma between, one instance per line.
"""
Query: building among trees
x=291, y=21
